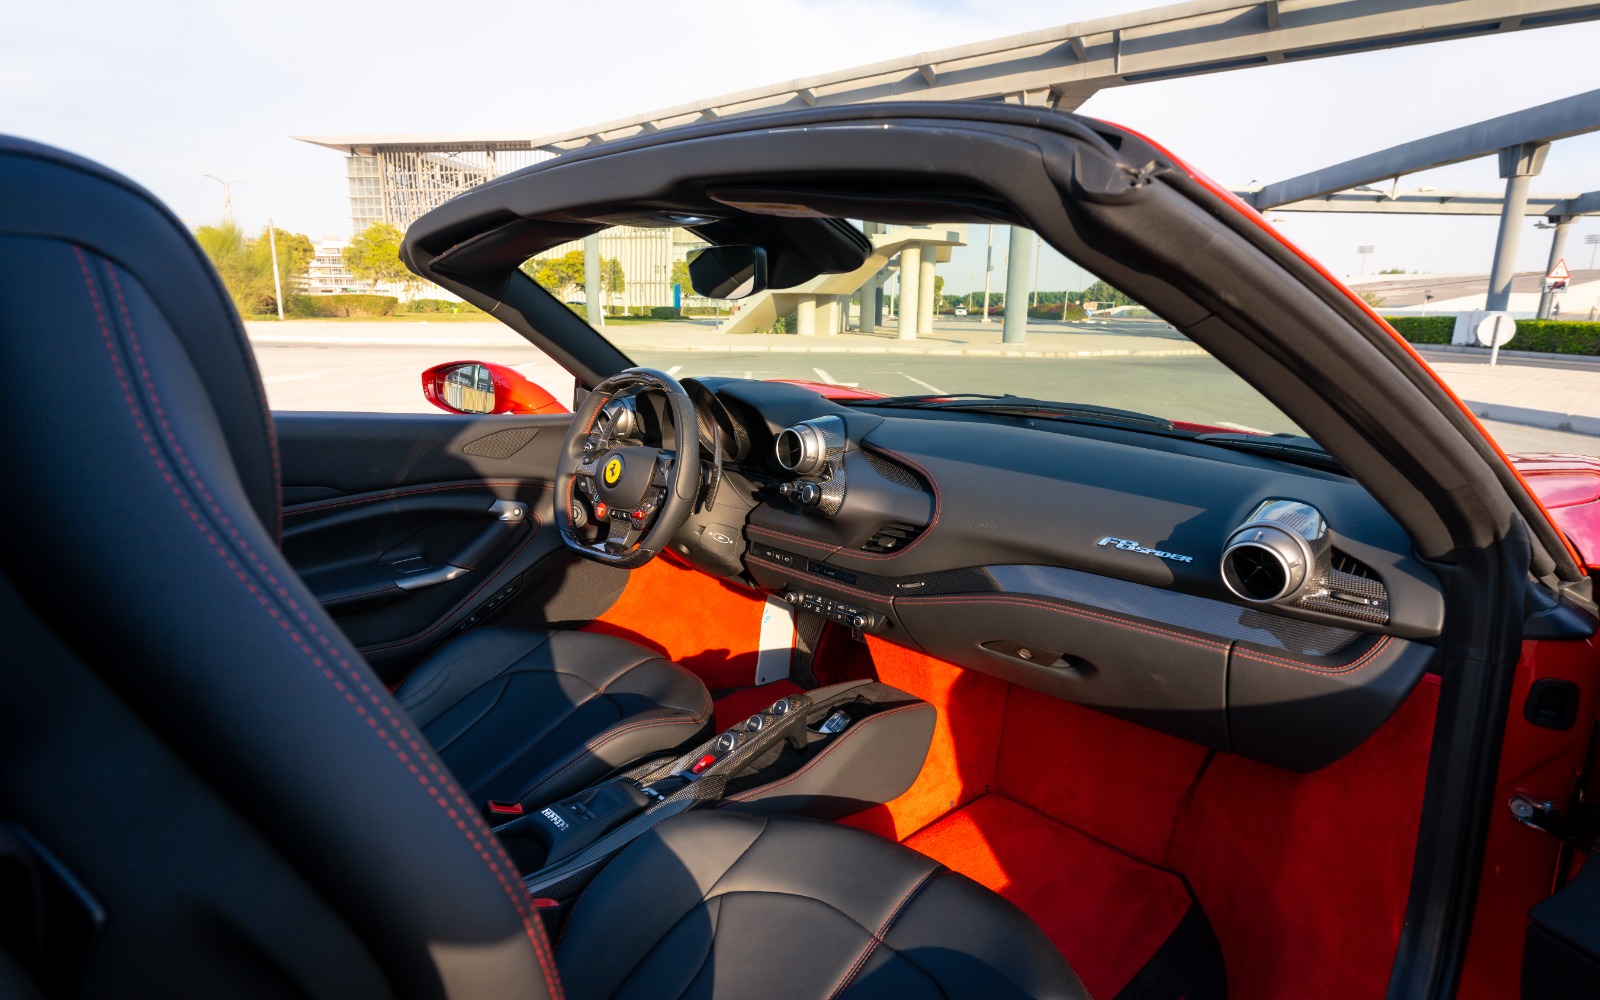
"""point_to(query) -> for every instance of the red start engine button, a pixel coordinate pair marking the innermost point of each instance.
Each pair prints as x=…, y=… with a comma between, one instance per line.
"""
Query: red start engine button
x=703, y=763
x=600, y=508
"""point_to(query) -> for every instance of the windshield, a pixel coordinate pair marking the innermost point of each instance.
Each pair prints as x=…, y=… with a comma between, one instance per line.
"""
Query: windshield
x=912, y=321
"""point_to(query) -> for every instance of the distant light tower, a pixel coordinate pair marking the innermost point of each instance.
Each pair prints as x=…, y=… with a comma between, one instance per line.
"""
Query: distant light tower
x=988, y=273
x=1364, y=250
x=1593, y=239
x=227, y=195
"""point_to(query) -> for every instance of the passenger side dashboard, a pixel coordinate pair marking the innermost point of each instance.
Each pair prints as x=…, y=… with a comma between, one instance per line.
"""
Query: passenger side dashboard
x=1087, y=562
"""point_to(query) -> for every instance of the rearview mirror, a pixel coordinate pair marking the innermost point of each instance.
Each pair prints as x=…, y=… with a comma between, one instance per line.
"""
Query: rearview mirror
x=728, y=272
x=482, y=387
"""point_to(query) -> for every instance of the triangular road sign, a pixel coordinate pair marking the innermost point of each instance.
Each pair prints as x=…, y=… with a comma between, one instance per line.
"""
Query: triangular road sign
x=1559, y=272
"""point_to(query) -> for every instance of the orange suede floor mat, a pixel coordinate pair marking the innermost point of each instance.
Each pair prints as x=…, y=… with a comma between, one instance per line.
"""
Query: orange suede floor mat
x=1107, y=912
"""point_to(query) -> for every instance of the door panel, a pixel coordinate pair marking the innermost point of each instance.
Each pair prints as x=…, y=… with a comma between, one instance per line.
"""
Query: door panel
x=376, y=504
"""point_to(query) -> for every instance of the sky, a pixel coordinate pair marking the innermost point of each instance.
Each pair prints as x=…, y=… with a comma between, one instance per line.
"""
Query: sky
x=167, y=91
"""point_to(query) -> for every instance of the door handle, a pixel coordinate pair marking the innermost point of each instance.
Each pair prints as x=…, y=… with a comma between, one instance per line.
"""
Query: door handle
x=416, y=573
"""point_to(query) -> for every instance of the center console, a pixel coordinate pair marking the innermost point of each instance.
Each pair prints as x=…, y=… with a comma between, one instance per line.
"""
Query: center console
x=825, y=753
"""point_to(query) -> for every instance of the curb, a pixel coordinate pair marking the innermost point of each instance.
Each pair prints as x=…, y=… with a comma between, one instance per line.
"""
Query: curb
x=1576, y=360
x=1572, y=423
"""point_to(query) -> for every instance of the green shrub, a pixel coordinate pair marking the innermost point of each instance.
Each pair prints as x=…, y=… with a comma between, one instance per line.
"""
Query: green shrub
x=662, y=312
x=1555, y=336
x=436, y=306
x=325, y=306
x=1543, y=336
x=1055, y=310
x=1424, y=329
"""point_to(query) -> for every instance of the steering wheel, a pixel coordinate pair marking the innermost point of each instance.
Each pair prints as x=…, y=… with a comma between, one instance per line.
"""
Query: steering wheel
x=641, y=495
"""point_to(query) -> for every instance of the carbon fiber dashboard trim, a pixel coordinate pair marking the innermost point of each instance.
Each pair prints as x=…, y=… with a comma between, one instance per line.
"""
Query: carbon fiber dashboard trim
x=1185, y=611
x=1202, y=615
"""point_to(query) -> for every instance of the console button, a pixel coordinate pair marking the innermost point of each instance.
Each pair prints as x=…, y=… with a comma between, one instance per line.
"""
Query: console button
x=703, y=763
x=726, y=741
x=754, y=723
x=780, y=707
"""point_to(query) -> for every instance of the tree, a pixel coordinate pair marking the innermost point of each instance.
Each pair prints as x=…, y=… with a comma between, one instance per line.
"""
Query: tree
x=294, y=259
x=1107, y=296
x=612, y=280
x=1372, y=299
x=374, y=256
x=560, y=275
x=680, y=277
x=245, y=265
x=938, y=289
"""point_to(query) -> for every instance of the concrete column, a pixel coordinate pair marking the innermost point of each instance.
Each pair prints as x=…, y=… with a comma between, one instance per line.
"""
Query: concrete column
x=910, y=285
x=827, y=315
x=594, y=310
x=930, y=255
x=1019, y=273
x=869, y=305
x=1518, y=165
x=805, y=320
x=1558, y=249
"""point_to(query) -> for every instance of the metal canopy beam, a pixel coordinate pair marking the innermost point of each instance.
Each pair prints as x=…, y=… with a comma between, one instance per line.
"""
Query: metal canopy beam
x=1561, y=119
x=1071, y=62
x=1434, y=203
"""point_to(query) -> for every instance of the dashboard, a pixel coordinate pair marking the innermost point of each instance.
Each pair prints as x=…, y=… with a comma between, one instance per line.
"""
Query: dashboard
x=1264, y=608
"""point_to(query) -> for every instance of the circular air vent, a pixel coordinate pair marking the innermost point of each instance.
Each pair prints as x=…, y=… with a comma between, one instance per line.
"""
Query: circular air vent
x=1256, y=573
x=801, y=449
x=1264, y=564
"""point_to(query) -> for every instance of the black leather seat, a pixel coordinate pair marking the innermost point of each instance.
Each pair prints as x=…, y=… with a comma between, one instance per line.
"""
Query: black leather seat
x=527, y=716
x=719, y=904
x=205, y=791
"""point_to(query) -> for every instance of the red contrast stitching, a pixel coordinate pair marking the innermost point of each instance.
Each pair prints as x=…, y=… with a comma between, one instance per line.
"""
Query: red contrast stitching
x=877, y=938
x=1155, y=630
x=1347, y=668
x=1076, y=612
x=933, y=522
x=768, y=789
x=378, y=497
x=607, y=737
x=538, y=523
x=938, y=505
x=569, y=713
x=444, y=784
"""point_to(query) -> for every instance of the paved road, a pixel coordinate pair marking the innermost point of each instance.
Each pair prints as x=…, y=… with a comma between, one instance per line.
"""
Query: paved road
x=386, y=379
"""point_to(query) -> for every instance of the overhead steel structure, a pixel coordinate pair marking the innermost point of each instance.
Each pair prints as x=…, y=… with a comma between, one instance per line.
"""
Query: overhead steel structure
x=1058, y=67
x=1520, y=139
x=396, y=178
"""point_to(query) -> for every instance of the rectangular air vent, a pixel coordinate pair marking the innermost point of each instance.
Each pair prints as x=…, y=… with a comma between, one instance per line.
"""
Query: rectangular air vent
x=891, y=538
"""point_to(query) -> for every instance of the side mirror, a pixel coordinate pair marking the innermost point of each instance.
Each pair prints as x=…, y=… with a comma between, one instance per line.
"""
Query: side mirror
x=481, y=387
x=736, y=271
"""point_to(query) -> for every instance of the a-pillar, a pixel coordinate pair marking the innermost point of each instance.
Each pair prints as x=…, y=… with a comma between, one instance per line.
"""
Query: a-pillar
x=805, y=317
x=1558, y=249
x=827, y=314
x=910, y=287
x=1019, y=272
x=1518, y=164
x=930, y=257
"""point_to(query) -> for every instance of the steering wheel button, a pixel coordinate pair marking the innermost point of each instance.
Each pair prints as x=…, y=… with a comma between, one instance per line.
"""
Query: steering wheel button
x=600, y=508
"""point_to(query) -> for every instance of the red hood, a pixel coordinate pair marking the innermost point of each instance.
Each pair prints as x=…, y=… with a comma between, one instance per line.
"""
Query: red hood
x=1569, y=488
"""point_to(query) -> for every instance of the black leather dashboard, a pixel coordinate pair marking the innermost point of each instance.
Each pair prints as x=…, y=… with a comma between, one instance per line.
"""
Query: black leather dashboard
x=992, y=543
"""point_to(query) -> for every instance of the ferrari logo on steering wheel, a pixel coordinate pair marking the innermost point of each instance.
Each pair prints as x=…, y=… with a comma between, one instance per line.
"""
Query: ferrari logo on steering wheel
x=613, y=471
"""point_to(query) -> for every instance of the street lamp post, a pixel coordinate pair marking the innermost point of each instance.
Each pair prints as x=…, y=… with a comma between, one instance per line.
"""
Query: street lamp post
x=227, y=195
x=1365, y=249
x=1593, y=239
x=277, y=282
x=988, y=273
